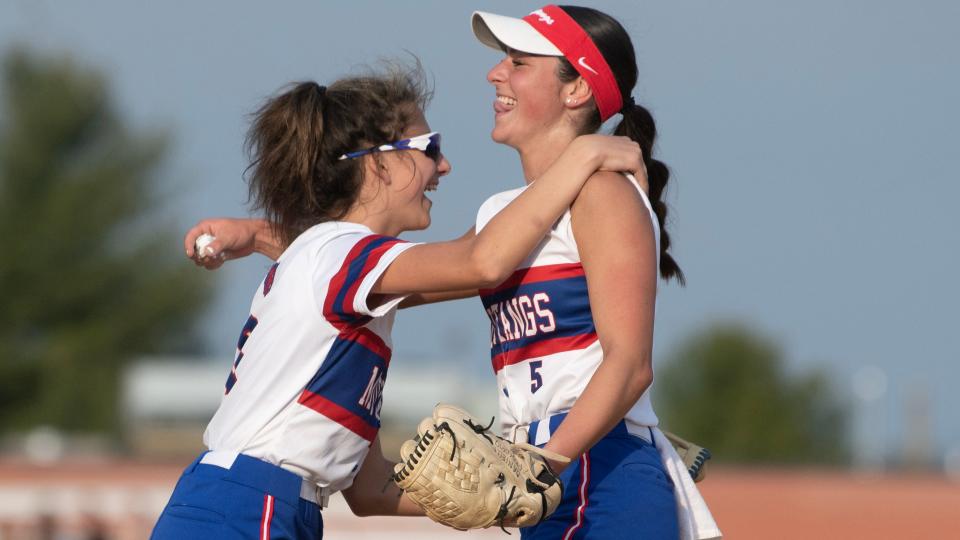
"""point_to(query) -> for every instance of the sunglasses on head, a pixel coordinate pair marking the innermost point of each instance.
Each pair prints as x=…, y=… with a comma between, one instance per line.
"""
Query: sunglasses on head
x=428, y=143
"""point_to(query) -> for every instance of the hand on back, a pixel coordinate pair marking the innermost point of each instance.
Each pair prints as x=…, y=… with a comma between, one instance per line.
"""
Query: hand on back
x=615, y=153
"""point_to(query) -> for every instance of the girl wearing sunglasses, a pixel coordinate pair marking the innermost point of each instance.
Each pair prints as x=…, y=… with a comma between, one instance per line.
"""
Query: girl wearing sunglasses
x=339, y=172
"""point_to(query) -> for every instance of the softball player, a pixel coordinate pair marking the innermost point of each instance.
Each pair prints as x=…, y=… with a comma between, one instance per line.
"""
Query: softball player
x=574, y=369
x=341, y=171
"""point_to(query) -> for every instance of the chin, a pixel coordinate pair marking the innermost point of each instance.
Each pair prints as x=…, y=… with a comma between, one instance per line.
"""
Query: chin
x=422, y=224
x=502, y=136
x=499, y=135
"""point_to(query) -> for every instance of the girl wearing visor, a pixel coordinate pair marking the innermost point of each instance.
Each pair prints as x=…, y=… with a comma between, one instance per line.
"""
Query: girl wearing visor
x=574, y=369
x=578, y=382
x=340, y=171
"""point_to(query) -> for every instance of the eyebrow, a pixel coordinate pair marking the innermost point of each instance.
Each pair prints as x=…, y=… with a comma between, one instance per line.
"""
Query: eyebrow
x=518, y=54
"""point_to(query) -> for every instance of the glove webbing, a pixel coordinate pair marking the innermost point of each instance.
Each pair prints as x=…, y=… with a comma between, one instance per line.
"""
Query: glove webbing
x=702, y=456
x=418, y=453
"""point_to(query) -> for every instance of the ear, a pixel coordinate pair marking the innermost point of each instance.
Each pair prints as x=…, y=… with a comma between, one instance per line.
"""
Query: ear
x=375, y=167
x=576, y=93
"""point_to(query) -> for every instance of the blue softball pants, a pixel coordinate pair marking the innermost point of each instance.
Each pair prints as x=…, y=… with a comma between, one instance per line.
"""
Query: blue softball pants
x=619, y=489
x=251, y=499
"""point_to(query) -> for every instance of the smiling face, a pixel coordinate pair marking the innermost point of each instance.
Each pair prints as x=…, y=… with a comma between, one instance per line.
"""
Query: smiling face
x=530, y=98
x=406, y=178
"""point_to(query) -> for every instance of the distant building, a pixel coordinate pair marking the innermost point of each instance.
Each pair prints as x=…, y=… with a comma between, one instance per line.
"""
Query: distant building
x=167, y=401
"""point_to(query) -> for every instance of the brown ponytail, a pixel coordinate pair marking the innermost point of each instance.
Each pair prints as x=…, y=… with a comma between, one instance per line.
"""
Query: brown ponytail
x=638, y=125
x=296, y=137
x=617, y=49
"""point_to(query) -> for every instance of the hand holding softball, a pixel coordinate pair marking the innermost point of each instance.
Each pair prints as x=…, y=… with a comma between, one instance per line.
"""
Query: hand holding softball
x=213, y=241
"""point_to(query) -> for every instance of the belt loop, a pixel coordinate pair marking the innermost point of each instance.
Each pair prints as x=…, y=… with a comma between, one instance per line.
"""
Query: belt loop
x=323, y=497
x=521, y=434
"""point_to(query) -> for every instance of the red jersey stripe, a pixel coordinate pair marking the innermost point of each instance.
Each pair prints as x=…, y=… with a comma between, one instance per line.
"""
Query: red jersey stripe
x=333, y=312
x=268, y=281
x=373, y=258
x=543, y=348
x=338, y=280
x=536, y=274
x=338, y=414
x=369, y=339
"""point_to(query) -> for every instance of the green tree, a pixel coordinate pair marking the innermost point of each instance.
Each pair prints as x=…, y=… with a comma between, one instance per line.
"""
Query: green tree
x=727, y=389
x=87, y=280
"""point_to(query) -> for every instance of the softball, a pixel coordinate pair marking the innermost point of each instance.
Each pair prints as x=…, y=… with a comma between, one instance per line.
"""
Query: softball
x=202, y=245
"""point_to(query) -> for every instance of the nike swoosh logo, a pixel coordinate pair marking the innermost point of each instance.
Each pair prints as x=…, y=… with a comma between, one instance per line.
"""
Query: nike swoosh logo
x=584, y=64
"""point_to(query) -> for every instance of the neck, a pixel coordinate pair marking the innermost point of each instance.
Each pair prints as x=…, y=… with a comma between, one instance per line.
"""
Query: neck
x=537, y=156
x=373, y=220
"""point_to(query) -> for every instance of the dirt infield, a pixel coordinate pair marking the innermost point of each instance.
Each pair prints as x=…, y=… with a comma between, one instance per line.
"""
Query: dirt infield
x=123, y=499
x=788, y=505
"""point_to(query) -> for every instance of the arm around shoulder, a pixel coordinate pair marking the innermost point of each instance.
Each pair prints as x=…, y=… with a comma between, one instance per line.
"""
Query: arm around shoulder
x=487, y=258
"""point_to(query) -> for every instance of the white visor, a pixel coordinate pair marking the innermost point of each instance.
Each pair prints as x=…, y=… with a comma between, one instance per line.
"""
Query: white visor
x=498, y=31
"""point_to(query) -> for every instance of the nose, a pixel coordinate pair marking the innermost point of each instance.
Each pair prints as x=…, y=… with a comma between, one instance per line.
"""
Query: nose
x=444, y=167
x=498, y=73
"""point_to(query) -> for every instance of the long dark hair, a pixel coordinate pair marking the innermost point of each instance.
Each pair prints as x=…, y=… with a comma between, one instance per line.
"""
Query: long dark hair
x=617, y=49
x=296, y=137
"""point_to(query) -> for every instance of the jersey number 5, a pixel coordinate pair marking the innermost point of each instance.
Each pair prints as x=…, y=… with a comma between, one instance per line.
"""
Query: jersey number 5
x=536, y=380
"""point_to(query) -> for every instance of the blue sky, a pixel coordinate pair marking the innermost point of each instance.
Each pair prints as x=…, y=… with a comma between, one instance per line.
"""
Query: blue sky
x=813, y=191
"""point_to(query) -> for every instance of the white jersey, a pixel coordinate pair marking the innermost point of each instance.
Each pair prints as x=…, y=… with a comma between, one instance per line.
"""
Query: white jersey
x=306, y=386
x=543, y=342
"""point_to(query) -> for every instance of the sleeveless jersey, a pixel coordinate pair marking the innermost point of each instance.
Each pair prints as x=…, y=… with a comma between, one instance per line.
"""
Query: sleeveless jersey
x=543, y=342
x=306, y=386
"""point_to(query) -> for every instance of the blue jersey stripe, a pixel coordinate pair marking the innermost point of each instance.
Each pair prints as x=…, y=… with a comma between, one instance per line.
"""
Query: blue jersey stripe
x=352, y=376
x=355, y=273
x=531, y=313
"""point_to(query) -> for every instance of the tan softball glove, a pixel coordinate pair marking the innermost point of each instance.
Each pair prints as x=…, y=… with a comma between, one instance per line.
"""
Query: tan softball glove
x=694, y=456
x=466, y=477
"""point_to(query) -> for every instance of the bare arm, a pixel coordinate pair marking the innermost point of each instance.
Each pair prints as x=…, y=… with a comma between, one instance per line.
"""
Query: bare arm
x=455, y=268
x=373, y=493
x=607, y=216
x=235, y=239
x=422, y=299
x=489, y=257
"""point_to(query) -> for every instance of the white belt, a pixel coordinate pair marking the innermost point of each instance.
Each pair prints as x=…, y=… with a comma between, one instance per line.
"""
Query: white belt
x=542, y=433
x=308, y=490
